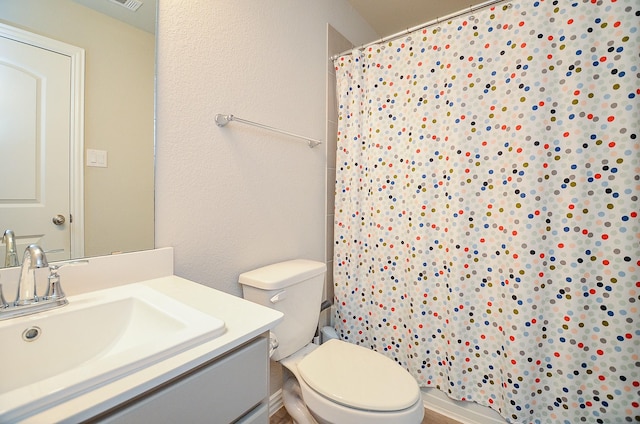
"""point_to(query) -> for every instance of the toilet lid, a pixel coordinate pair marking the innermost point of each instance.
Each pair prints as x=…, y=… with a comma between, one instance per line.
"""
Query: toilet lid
x=358, y=377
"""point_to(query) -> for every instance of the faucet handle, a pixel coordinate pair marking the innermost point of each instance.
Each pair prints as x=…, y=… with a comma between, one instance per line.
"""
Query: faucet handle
x=54, y=289
x=68, y=263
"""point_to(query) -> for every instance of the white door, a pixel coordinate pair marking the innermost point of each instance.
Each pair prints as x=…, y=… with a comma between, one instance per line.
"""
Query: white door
x=35, y=127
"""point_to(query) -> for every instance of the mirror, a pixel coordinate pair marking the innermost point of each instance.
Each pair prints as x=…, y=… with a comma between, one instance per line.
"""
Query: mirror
x=119, y=111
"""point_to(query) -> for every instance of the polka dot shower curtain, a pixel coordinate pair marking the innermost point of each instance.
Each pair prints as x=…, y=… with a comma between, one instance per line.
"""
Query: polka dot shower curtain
x=486, y=219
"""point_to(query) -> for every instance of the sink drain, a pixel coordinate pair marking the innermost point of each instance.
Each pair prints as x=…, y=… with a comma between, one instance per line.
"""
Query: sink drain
x=31, y=334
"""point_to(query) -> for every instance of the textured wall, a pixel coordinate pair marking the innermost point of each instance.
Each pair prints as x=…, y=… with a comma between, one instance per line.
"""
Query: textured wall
x=235, y=198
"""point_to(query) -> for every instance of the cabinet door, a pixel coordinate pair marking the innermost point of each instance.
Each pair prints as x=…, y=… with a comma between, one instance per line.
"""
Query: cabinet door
x=220, y=393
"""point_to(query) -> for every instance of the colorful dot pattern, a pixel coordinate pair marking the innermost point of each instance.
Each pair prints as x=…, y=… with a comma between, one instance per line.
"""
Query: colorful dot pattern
x=486, y=223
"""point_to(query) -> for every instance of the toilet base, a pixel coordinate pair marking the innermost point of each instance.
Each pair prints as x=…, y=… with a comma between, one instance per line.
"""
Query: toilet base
x=293, y=402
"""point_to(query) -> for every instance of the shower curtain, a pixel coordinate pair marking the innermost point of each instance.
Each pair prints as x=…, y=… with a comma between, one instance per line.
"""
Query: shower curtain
x=486, y=218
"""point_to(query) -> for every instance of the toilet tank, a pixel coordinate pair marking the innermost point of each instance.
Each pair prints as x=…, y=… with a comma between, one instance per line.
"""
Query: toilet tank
x=293, y=288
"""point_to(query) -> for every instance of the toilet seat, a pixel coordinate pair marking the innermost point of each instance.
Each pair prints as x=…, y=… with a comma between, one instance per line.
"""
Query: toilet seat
x=326, y=411
x=358, y=377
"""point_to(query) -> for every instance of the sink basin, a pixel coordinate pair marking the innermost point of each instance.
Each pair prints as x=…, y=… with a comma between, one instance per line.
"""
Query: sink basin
x=97, y=338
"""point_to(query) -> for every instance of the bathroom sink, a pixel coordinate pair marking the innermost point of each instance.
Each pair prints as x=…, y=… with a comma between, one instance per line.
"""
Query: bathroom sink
x=97, y=338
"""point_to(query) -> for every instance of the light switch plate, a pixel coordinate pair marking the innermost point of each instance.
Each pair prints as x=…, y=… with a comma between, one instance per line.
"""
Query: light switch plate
x=97, y=158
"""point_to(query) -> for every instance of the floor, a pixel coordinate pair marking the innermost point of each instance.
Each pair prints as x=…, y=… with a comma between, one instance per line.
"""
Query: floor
x=430, y=417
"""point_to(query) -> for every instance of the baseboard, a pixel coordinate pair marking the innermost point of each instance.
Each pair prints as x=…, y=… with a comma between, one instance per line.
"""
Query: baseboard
x=465, y=412
x=275, y=402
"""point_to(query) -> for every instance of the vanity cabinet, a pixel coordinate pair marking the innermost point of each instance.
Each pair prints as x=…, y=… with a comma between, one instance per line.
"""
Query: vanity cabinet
x=233, y=388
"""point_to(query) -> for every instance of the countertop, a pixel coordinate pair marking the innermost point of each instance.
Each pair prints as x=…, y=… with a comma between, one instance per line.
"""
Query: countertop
x=243, y=320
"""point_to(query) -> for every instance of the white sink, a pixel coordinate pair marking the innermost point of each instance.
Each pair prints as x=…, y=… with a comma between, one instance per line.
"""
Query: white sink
x=97, y=338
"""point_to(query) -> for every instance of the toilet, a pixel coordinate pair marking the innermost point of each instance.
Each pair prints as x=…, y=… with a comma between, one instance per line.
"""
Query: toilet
x=336, y=382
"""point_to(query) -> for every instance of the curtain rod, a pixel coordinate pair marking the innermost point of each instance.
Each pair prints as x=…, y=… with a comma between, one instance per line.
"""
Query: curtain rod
x=436, y=21
x=222, y=120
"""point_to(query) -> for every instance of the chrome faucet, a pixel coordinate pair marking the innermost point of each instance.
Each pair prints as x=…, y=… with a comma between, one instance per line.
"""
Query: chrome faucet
x=11, y=252
x=33, y=259
x=27, y=301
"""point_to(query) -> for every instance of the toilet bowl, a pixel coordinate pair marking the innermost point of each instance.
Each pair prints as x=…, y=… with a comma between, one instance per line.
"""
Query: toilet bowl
x=336, y=382
x=343, y=383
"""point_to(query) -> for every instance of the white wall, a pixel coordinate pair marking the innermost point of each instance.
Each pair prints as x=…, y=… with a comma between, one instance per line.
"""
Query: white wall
x=235, y=198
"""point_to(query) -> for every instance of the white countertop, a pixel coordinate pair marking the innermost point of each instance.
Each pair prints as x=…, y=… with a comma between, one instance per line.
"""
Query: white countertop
x=243, y=320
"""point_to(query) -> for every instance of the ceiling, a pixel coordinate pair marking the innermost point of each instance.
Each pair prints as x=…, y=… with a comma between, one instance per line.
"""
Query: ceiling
x=388, y=17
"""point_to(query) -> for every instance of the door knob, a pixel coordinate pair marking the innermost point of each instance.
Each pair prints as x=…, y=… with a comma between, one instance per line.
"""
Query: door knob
x=58, y=219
